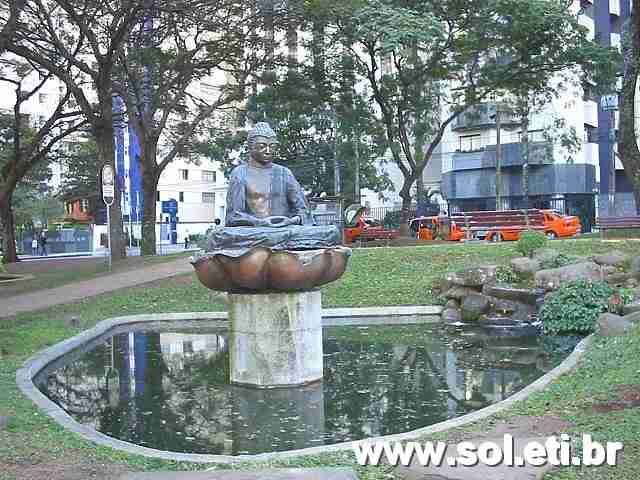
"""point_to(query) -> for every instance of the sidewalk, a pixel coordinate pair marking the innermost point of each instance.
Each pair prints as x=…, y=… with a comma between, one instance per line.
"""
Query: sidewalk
x=74, y=292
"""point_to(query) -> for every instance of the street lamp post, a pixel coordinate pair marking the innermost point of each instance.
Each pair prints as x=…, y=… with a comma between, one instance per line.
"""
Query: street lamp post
x=609, y=103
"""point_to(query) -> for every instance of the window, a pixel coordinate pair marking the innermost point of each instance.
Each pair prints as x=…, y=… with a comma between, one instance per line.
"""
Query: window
x=209, y=176
x=183, y=174
x=42, y=97
x=84, y=205
x=181, y=197
x=208, y=197
x=157, y=195
x=470, y=143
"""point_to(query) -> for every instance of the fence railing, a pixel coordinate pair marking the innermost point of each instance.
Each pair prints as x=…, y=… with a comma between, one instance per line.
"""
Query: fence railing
x=620, y=204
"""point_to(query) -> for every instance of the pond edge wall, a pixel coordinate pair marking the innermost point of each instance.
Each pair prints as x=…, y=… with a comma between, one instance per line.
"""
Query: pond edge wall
x=331, y=317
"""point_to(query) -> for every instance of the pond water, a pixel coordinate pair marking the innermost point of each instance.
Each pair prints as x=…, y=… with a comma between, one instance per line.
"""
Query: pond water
x=169, y=388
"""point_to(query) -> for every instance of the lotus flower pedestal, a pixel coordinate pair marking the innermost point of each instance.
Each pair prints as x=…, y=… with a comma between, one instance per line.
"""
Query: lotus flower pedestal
x=275, y=310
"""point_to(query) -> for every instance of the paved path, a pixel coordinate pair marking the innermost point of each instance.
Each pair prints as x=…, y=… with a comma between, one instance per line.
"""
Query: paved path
x=283, y=474
x=73, y=292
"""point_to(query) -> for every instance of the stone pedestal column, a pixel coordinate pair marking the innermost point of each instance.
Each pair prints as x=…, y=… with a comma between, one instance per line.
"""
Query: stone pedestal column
x=275, y=339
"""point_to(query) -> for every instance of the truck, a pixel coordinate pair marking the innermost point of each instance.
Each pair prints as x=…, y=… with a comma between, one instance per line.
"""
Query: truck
x=494, y=225
x=360, y=227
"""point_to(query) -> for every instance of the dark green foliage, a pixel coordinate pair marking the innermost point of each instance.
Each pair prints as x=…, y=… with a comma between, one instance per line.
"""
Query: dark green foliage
x=392, y=219
x=530, y=241
x=561, y=260
x=575, y=306
x=506, y=274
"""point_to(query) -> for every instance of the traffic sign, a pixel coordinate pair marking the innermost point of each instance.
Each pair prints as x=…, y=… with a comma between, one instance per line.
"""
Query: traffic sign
x=609, y=102
x=108, y=184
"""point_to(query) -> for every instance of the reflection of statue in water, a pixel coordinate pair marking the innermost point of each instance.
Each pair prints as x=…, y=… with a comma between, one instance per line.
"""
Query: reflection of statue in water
x=266, y=205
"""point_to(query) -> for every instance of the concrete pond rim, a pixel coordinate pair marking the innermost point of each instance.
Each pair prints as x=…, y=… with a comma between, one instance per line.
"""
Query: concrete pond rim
x=330, y=317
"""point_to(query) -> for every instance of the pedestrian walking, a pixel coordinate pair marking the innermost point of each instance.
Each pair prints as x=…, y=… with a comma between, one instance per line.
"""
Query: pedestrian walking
x=186, y=240
x=34, y=246
x=43, y=244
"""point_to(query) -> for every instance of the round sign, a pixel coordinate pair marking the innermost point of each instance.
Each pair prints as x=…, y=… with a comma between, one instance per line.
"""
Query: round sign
x=108, y=184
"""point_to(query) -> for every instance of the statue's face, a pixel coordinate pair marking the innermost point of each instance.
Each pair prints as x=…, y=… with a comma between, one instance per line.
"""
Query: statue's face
x=263, y=149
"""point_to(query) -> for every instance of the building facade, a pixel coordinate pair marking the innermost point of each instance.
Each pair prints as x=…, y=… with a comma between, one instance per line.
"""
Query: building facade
x=559, y=179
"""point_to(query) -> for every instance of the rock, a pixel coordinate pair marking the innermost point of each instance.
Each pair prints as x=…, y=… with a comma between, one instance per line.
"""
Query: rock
x=545, y=255
x=452, y=303
x=611, y=325
x=497, y=320
x=473, y=306
x=458, y=293
x=451, y=315
x=524, y=295
x=552, y=278
x=473, y=277
x=4, y=421
x=633, y=317
x=502, y=306
x=614, y=258
x=631, y=283
x=632, y=307
x=634, y=267
x=617, y=278
x=525, y=265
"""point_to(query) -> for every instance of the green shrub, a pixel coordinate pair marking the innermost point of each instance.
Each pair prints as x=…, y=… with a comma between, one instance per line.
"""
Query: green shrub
x=530, y=241
x=392, y=219
x=575, y=306
x=506, y=274
x=561, y=260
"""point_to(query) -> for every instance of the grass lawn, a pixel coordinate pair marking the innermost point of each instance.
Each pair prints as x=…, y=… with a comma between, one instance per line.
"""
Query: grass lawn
x=33, y=446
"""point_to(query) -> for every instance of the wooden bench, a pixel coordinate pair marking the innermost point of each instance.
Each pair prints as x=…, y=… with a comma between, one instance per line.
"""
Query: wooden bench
x=612, y=223
x=385, y=235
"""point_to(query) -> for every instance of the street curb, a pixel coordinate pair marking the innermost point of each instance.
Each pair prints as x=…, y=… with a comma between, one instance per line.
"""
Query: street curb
x=25, y=375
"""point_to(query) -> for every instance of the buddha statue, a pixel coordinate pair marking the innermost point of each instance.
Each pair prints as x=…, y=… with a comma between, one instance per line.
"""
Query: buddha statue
x=266, y=205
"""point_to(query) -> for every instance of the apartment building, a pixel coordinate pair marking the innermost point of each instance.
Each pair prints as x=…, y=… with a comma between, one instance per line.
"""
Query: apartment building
x=569, y=182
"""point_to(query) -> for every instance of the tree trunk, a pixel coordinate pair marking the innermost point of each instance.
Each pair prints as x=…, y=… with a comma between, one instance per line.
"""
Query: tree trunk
x=7, y=231
x=149, y=192
x=628, y=145
x=106, y=154
x=405, y=212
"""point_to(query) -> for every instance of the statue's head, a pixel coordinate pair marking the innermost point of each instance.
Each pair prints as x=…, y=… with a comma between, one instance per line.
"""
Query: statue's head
x=262, y=143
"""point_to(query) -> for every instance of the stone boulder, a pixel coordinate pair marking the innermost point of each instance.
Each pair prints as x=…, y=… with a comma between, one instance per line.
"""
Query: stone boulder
x=474, y=277
x=506, y=292
x=610, y=325
x=614, y=258
x=525, y=265
x=633, y=317
x=632, y=307
x=458, y=293
x=520, y=312
x=634, y=268
x=473, y=306
x=451, y=315
x=452, y=303
x=552, y=278
x=545, y=255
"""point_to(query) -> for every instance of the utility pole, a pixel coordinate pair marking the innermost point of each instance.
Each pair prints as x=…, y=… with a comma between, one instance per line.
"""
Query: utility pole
x=498, y=160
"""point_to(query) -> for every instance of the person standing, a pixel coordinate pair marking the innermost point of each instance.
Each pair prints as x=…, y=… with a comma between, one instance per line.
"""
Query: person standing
x=186, y=240
x=43, y=244
x=34, y=246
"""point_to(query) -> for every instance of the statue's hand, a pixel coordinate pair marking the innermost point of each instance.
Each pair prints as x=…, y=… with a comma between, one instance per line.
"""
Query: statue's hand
x=277, y=221
x=281, y=221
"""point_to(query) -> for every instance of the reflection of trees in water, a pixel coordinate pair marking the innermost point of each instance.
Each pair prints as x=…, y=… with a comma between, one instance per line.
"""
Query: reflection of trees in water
x=179, y=399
